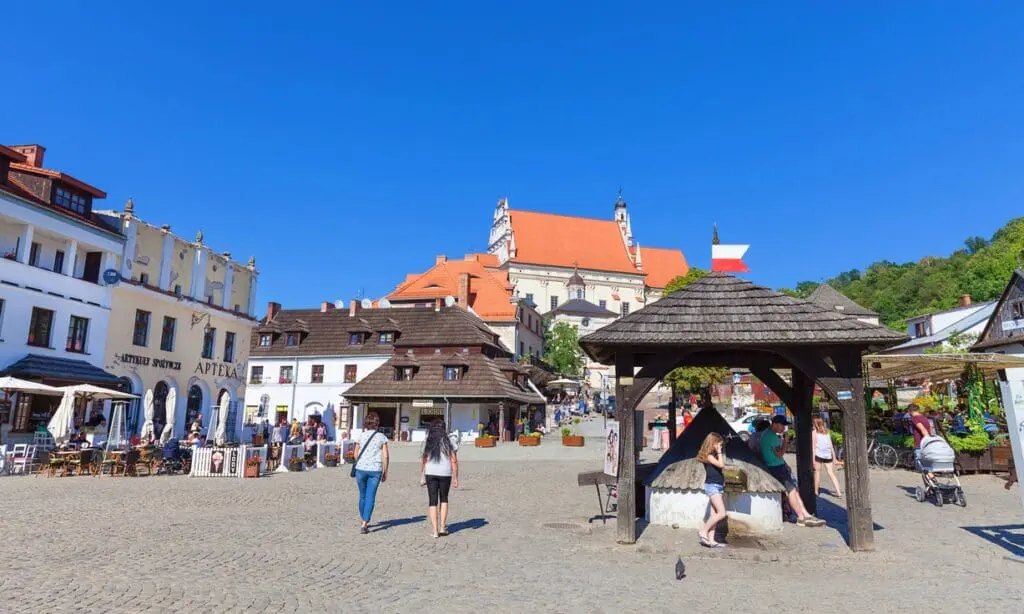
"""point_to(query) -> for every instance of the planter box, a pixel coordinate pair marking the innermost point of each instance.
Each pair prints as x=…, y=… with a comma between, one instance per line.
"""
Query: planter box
x=1002, y=458
x=572, y=441
x=485, y=442
x=252, y=471
x=296, y=466
x=967, y=462
x=257, y=440
x=985, y=460
x=529, y=440
x=330, y=463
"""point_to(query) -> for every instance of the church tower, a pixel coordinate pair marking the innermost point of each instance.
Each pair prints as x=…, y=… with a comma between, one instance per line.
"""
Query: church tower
x=576, y=285
x=622, y=219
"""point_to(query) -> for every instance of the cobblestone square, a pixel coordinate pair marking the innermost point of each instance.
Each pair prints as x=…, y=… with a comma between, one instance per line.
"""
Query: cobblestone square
x=290, y=543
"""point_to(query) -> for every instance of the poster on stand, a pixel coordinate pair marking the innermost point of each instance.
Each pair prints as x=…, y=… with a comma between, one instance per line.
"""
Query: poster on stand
x=611, y=452
x=1011, y=384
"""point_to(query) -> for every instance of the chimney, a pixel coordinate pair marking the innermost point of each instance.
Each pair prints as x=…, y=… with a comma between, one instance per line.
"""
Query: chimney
x=326, y=306
x=34, y=153
x=437, y=304
x=464, y=290
x=965, y=300
x=472, y=257
x=441, y=259
x=272, y=309
x=353, y=308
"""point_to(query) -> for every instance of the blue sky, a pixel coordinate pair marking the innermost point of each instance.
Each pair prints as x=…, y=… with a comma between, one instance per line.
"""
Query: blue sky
x=346, y=146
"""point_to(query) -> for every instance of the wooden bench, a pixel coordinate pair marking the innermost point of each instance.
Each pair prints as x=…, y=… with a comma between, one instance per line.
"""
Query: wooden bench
x=600, y=478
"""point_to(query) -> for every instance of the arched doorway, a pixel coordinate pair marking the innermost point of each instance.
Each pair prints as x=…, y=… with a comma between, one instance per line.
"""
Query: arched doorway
x=194, y=406
x=160, y=405
x=131, y=411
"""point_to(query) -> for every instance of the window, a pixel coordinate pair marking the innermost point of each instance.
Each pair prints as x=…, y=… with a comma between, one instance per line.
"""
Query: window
x=1017, y=310
x=286, y=375
x=144, y=278
x=265, y=341
x=58, y=261
x=209, y=339
x=256, y=375
x=355, y=339
x=33, y=254
x=350, y=374
x=522, y=348
x=167, y=334
x=452, y=374
x=529, y=298
x=40, y=327
x=386, y=337
x=529, y=321
x=177, y=290
x=141, y=335
x=554, y=302
x=625, y=308
x=603, y=304
x=71, y=200
x=920, y=329
x=229, y=347
x=317, y=377
x=579, y=293
x=292, y=339
x=404, y=374
x=78, y=330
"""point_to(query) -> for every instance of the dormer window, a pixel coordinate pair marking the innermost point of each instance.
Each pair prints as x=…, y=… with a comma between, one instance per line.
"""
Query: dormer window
x=404, y=374
x=292, y=339
x=386, y=337
x=265, y=341
x=355, y=339
x=72, y=201
x=452, y=374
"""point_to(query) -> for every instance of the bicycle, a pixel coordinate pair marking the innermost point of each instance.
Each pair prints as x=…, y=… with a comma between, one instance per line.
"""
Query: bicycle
x=881, y=455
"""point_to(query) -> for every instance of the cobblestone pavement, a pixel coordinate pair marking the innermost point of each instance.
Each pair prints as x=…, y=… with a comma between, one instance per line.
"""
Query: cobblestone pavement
x=290, y=543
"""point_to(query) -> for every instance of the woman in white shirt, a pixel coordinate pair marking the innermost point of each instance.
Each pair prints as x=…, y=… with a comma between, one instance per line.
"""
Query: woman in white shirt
x=371, y=468
x=824, y=456
x=440, y=473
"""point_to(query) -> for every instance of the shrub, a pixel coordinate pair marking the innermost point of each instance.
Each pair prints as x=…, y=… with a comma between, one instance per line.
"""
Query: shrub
x=975, y=443
x=837, y=438
x=566, y=431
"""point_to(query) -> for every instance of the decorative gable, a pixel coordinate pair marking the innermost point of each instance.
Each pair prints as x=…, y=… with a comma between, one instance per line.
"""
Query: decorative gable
x=1006, y=326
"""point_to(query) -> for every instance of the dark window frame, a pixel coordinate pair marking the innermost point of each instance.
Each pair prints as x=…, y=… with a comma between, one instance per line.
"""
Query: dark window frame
x=40, y=331
x=554, y=301
x=256, y=374
x=71, y=200
x=167, y=340
x=290, y=379
x=386, y=337
x=351, y=374
x=58, y=261
x=229, y=346
x=289, y=338
x=78, y=335
x=266, y=337
x=316, y=374
x=355, y=339
x=624, y=310
x=34, y=250
x=452, y=374
x=140, y=333
x=209, y=342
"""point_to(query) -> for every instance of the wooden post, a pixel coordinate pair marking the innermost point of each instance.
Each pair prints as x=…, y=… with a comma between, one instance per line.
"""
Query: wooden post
x=803, y=394
x=501, y=421
x=849, y=383
x=626, y=518
x=672, y=418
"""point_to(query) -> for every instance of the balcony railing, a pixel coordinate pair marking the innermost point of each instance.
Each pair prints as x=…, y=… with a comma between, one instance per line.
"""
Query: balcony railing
x=25, y=276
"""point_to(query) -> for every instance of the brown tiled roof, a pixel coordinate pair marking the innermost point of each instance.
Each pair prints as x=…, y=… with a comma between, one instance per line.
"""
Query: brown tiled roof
x=482, y=379
x=328, y=332
x=68, y=179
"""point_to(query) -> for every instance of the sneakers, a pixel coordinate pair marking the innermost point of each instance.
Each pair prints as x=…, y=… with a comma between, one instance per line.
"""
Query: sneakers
x=810, y=521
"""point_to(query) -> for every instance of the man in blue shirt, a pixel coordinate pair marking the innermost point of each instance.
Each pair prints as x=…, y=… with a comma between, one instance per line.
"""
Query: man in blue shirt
x=773, y=445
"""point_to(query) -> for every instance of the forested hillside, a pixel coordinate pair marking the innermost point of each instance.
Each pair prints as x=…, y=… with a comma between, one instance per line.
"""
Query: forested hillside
x=897, y=292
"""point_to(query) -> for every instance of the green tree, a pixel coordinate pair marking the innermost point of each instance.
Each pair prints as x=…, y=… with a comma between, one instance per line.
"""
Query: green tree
x=562, y=349
x=693, y=380
x=680, y=282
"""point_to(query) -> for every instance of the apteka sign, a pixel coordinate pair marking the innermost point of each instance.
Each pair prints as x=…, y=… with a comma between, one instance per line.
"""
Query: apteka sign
x=217, y=369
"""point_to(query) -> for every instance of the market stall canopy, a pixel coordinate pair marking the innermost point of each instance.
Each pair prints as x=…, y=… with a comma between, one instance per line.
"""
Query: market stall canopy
x=97, y=393
x=13, y=384
x=563, y=383
x=935, y=366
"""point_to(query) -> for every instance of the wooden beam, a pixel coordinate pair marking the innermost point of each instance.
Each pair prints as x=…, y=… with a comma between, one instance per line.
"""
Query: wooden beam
x=672, y=418
x=774, y=381
x=801, y=406
x=839, y=383
x=626, y=401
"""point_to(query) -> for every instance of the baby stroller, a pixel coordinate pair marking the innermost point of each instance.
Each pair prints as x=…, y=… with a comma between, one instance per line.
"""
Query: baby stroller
x=171, y=461
x=938, y=472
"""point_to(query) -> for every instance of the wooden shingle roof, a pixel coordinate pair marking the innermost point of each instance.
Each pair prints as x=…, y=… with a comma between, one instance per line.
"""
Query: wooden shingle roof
x=721, y=310
x=830, y=298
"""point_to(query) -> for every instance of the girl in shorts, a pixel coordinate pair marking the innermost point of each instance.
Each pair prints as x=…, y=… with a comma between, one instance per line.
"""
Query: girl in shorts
x=824, y=456
x=712, y=455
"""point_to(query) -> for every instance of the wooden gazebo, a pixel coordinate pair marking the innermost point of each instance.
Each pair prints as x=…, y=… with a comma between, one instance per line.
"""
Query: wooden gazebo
x=723, y=321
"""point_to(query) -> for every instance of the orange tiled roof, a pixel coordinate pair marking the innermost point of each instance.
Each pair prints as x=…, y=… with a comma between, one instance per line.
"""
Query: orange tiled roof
x=490, y=292
x=28, y=168
x=662, y=265
x=564, y=241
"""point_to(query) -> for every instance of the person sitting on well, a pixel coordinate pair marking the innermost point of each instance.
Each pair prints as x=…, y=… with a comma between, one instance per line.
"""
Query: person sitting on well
x=773, y=445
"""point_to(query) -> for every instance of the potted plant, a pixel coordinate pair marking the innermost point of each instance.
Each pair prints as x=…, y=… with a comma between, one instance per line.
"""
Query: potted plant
x=485, y=441
x=331, y=460
x=296, y=463
x=570, y=437
x=252, y=467
x=533, y=439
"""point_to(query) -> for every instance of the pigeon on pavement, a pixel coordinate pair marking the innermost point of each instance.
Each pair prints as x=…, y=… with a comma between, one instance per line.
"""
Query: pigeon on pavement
x=680, y=569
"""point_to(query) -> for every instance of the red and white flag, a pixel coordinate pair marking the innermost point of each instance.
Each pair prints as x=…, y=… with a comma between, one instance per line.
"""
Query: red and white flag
x=729, y=258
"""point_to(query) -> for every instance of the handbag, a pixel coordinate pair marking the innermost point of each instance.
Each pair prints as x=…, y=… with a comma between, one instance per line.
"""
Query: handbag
x=352, y=473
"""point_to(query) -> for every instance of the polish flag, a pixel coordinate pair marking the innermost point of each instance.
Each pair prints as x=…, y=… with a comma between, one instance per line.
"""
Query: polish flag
x=729, y=258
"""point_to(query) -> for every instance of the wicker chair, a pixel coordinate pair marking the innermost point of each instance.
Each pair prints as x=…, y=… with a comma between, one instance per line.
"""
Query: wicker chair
x=147, y=458
x=82, y=462
x=54, y=463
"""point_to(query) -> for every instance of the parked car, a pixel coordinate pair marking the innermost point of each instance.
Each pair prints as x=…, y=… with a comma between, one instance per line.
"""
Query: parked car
x=745, y=425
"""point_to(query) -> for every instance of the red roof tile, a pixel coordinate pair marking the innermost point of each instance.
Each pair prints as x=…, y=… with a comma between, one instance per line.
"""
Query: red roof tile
x=564, y=241
x=490, y=293
x=662, y=265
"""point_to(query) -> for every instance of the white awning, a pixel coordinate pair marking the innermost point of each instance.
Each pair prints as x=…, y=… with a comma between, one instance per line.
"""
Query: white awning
x=935, y=367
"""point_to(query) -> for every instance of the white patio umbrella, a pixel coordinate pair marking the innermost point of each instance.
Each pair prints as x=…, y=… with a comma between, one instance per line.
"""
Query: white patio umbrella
x=222, y=420
x=169, y=407
x=563, y=383
x=167, y=434
x=61, y=424
x=147, y=426
x=11, y=385
x=96, y=393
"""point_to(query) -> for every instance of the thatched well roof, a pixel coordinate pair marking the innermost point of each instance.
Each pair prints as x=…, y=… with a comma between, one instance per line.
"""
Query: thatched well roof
x=721, y=310
x=678, y=467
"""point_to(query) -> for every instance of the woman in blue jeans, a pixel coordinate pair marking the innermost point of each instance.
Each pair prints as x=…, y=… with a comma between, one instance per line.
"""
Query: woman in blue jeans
x=371, y=466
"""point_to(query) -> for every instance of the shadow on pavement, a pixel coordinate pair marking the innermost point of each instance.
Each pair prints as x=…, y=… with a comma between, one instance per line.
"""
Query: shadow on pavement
x=909, y=490
x=397, y=522
x=835, y=518
x=464, y=525
x=1009, y=537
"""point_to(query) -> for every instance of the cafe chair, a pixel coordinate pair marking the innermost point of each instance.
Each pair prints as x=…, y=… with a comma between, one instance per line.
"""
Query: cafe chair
x=56, y=462
x=82, y=462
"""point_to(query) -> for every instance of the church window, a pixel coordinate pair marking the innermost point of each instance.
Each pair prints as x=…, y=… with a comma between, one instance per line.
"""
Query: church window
x=579, y=293
x=625, y=308
x=554, y=302
x=603, y=304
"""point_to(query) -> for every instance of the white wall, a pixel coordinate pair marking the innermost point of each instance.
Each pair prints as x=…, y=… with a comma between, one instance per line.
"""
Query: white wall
x=303, y=396
x=544, y=282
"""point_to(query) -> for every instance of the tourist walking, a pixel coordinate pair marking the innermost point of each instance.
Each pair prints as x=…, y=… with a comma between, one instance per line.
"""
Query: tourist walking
x=712, y=455
x=440, y=473
x=824, y=457
x=371, y=467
